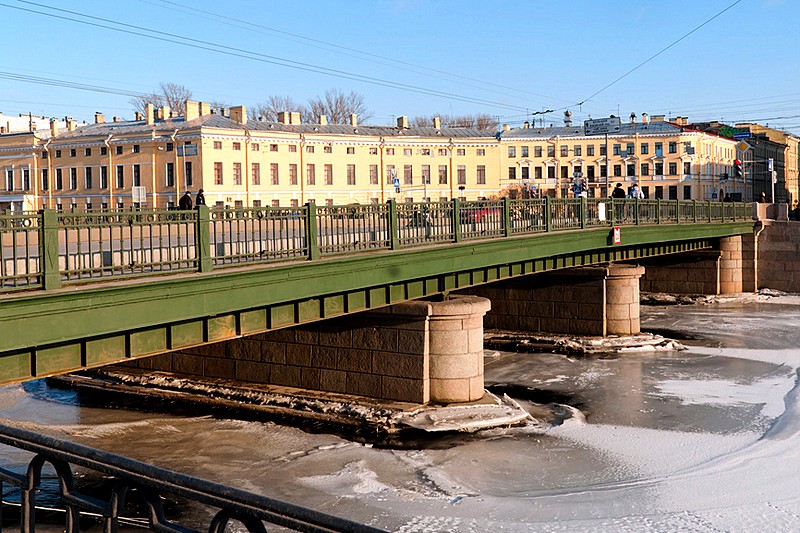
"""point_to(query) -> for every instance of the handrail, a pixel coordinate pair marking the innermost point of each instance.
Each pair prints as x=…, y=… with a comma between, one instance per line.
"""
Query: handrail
x=148, y=483
x=48, y=249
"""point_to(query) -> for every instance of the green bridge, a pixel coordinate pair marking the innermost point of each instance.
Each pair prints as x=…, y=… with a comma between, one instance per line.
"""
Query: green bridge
x=82, y=290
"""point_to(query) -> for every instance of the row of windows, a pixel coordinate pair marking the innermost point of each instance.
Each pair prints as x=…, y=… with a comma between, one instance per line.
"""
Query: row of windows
x=71, y=175
x=350, y=150
x=577, y=150
x=577, y=170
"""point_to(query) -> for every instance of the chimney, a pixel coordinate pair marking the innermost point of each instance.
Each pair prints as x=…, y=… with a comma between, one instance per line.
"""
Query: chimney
x=294, y=118
x=526, y=125
x=323, y=120
x=138, y=116
x=148, y=114
x=165, y=112
x=354, y=120
x=72, y=124
x=205, y=109
x=239, y=114
x=506, y=127
x=402, y=122
x=645, y=118
x=437, y=122
x=116, y=119
x=99, y=118
x=633, y=118
x=283, y=117
x=53, y=127
x=657, y=118
x=191, y=110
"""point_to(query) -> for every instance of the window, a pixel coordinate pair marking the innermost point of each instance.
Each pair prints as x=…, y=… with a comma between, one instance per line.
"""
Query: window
x=292, y=148
x=137, y=176
x=461, y=173
x=103, y=150
x=373, y=151
x=617, y=170
x=328, y=201
x=217, y=145
x=188, y=173
x=255, y=147
x=512, y=173
x=551, y=173
x=645, y=169
x=59, y=180
x=617, y=149
x=26, y=179
x=274, y=203
x=87, y=152
x=512, y=151
x=687, y=167
x=564, y=172
x=589, y=149
x=390, y=151
x=73, y=178
x=687, y=147
x=443, y=151
x=442, y=174
x=294, y=202
x=170, y=175
x=58, y=153
x=551, y=151
x=45, y=179
x=603, y=171
x=482, y=174
x=687, y=192
x=9, y=179
x=564, y=151
x=576, y=150
x=407, y=175
x=104, y=177
x=311, y=174
x=524, y=151
x=659, y=169
x=603, y=150
x=425, y=151
x=309, y=149
x=426, y=174
x=273, y=147
x=255, y=173
x=170, y=147
x=644, y=148
x=120, y=177
x=351, y=174
x=118, y=150
x=373, y=174
x=328, y=171
x=391, y=174
x=87, y=177
x=631, y=169
x=327, y=149
x=537, y=151
x=480, y=152
x=292, y=174
x=673, y=192
x=673, y=147
x=44, y=155
x=135, y=149
x=590, y=172
x=218, y=177
x=630, y=149
x=537, y=173
x=351, y=150
x=673, y=169
x=73, y=152
x=407, y=151
x=237, y=173
x=274, y=174
x=461, y=151
x=525, y=173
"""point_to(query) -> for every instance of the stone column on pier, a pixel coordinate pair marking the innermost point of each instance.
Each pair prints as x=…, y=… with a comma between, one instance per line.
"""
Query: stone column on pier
x=622, y=299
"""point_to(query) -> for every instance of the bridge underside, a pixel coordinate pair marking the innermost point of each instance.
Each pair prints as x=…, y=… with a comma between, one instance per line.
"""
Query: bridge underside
x=68, y=329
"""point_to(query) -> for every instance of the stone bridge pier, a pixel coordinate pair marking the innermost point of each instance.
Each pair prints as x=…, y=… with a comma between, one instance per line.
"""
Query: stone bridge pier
x=593, y=301
x=417, y=351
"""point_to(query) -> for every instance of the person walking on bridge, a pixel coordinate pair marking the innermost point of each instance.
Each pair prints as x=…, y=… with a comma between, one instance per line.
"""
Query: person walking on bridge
x=200, y=199
x=618, y=191
x=185, y=203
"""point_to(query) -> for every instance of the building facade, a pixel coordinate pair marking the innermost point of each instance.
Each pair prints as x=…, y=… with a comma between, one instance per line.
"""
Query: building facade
x=149, y=162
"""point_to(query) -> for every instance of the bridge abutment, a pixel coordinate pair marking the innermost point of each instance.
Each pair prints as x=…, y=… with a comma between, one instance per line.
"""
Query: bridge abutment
x=416, y=351
x=592, y=301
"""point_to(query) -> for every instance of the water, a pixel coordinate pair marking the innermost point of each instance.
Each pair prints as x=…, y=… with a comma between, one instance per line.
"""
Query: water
x=700, y=440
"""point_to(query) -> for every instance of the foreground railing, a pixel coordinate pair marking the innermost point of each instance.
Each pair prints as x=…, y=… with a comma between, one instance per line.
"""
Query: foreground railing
x=132, y=482
x=49, y=249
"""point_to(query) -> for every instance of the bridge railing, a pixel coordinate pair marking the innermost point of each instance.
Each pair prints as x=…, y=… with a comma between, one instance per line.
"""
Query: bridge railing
x=49, y=249
x=53, y=463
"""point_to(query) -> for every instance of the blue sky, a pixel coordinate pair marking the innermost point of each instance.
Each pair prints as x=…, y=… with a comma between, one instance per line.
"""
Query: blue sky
x=507, y=59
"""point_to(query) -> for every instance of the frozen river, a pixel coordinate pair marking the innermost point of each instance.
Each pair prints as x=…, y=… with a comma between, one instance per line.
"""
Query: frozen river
x=699, y=440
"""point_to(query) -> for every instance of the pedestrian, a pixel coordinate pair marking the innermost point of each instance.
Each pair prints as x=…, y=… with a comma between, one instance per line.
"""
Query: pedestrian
x=618, y=191
x=727, y=198
x=636, y=193
x=200, y=199
x=185, y=203
x=763, y=198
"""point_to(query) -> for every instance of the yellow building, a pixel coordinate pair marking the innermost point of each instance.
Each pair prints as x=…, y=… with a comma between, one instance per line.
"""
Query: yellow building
x=149, y=162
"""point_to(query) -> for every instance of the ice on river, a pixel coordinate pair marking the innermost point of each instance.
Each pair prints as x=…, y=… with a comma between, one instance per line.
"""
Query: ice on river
x=701, y=440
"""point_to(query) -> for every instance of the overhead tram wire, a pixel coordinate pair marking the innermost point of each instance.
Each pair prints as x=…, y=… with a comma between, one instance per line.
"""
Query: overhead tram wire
x=246, y=54
x=637, y=67
x=354, y=52
x=67, y=84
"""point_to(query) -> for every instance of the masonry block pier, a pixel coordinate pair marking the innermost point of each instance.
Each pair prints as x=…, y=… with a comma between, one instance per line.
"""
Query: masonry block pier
x=417, y=351
x=596, y=300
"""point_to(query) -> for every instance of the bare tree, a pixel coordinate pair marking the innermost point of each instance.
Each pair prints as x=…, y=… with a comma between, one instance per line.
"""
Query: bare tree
x=270, y=108
x=173, y=95
x=337, y=107
x=481, y=121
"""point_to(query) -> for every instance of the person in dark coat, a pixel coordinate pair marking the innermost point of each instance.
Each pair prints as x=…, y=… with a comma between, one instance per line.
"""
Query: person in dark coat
x=200, y=199
x=618, y=191
x=185, y=203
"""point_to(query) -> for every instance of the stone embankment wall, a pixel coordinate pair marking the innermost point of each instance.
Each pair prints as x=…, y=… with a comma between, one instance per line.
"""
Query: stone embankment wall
x=779, y=255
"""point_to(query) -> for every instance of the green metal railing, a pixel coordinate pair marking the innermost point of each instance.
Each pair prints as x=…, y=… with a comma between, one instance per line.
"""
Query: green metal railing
x=47, y=249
